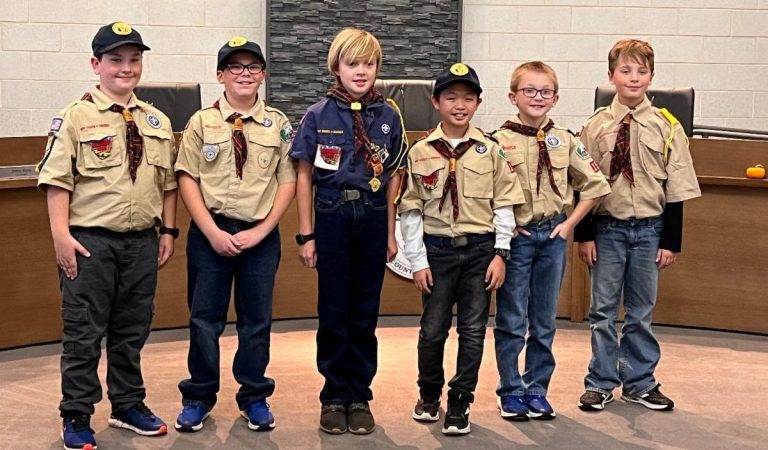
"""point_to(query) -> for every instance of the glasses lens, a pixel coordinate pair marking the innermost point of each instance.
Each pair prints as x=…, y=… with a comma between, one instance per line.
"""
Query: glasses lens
x=547, y=93
x=255, y=69
x=529, y=92
x=236, y=69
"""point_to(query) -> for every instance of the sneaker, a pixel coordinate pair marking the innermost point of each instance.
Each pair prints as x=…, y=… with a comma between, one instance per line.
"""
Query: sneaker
x=77, y=434
x=333, y=418
x=427, y=408
x=652, y=399
x=191, y=417
x=139, y=419
x=456, y=417
x=359, y=418
x=513, y=407
x=539, y=408
x=594, y=401
x=259, y=416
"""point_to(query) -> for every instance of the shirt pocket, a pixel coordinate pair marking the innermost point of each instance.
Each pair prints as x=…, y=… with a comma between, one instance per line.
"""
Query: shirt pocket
x=560, y=162
x=263, y=152
x=215, y=151
x=478, y=178
x=157, y=146
x=652, y=156
x=429, y=178
x=100, y=149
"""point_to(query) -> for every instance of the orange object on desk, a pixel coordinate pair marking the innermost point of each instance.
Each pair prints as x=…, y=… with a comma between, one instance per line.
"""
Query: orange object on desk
x=756, y=172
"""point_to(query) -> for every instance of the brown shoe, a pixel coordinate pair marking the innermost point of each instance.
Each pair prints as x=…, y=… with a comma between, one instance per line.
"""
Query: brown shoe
x=333, y=418
x=594, y=401
x=359, y=418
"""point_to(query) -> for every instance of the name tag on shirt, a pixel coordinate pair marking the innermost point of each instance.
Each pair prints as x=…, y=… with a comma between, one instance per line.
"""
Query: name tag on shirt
x=328, y=157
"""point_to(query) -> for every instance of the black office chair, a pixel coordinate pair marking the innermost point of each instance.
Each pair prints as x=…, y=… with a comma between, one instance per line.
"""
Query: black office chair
x=414, y=99
x=679, y=101
x=177, y=100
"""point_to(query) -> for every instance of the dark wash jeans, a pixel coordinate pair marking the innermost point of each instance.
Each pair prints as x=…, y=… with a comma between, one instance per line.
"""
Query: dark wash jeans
x=351, y=245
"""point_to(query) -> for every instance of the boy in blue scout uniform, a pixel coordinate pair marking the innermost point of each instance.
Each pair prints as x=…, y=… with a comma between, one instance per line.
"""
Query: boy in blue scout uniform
x=108, y=175
x=350, y=148
x=636, y=230
x=237, y=181
x=456, y=247
x=550, y=163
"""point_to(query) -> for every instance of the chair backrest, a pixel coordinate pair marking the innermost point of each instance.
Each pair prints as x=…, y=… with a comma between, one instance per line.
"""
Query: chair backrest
x=679, y=101
x=414, y=98
x=177, y=100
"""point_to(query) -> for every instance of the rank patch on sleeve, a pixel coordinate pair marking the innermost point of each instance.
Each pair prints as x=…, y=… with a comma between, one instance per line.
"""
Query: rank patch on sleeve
x=594, y=166
x=56, y=124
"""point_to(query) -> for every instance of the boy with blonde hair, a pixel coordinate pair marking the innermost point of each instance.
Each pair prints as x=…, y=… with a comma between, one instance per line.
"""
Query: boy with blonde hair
x=350, y=148
x=550, y=163
x=636, y=230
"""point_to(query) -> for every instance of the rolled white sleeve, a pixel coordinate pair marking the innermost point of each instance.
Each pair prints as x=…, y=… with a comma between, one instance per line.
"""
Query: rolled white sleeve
x=412, y=229
x=504, y=223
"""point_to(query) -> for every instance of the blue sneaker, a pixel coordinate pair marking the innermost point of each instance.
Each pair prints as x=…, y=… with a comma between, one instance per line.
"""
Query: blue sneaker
x=539, y=408
x=513, y=407
x=258, y=416
x=77, y=434
x=191, y=417
x=139, y=419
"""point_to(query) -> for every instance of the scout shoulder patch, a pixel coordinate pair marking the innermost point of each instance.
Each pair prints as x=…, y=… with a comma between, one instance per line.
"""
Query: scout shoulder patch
x=581, y=152
x=286, y=134
x=56, y=124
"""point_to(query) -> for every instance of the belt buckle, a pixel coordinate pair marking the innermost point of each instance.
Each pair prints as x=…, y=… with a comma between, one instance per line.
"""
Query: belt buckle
x=460, y=241
x=350, y=195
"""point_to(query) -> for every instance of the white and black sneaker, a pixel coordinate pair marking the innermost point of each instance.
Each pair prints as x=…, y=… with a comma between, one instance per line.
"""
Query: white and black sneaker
x=427, y=408
x=652, y=399
x=594, y=401
x=456, y=418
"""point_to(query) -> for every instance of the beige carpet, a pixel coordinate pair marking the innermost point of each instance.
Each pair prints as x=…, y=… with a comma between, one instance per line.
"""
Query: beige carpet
x=718, y=380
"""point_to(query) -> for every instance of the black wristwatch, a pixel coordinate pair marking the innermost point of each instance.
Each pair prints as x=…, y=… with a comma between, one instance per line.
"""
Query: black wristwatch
x=172, y=231
x=302, y=239
x=502, y=252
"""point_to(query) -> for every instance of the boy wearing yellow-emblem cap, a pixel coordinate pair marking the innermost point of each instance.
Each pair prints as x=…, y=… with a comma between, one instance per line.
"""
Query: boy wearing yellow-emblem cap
x=457, y=218
x=108, y=176
x=237, y=181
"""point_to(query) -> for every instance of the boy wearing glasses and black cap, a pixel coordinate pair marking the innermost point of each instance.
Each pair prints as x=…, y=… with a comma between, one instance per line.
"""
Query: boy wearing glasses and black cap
x=237, y=181
x=456, y=217
x=108, y=176
x=550, y=163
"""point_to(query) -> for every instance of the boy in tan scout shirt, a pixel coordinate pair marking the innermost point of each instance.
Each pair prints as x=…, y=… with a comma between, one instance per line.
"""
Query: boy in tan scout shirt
x=636, y=230
x=457, y=218
x=550, y=163
x=237, y=181
x=108, y=175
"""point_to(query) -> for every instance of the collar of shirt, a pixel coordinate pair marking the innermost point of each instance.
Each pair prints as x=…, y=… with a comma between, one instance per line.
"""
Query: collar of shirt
x=103, y=102
x=516, y=119
x=640, y=114
x=257, y=111
x=472, y=133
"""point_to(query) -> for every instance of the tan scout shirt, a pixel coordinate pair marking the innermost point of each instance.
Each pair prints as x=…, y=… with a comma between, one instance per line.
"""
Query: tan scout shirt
x=484, y=183
x=87, y=155
x=656, y=183
x=207, y=154
x=572, y=167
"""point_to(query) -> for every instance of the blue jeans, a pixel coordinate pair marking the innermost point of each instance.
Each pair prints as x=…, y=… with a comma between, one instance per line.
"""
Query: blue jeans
x=527, y=302
x=458, y=275
x=351, y=245
x=210, y=277
x=626, y=264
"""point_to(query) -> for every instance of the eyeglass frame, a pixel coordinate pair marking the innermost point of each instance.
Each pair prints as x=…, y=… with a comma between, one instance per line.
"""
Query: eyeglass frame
x=538, y=92
x=244, y=67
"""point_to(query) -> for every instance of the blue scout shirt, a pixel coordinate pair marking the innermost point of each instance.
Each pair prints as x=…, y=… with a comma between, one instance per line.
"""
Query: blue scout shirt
x=327, y=127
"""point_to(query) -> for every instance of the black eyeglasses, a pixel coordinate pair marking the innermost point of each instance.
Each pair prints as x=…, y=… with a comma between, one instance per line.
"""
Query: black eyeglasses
x=546, y=94
x=237, y=69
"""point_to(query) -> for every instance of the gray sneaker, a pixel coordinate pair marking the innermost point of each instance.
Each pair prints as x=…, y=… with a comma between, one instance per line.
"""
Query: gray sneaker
x=333, y=418
x=652, y=399
x=359, y=418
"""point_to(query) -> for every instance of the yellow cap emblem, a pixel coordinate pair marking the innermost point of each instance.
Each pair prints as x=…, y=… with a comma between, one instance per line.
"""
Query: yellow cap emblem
x=121, y=28
x=459, y=69
x=237, y=41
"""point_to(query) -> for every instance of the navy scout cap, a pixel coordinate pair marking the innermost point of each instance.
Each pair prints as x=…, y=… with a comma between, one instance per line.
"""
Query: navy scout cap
x=457, y=72
x=111, y=36
x=239, y=44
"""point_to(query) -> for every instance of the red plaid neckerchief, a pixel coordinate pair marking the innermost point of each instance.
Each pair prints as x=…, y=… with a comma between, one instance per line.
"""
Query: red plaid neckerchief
x=133, y=139
x=372, y=158
x=238, y=140
x=452, y=154
x=544, y=160
x=621, y=162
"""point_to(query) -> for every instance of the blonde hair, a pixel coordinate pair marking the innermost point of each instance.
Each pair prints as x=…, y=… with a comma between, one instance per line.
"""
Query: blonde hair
x=639, y=51
x=532, y=66
x=353, y=44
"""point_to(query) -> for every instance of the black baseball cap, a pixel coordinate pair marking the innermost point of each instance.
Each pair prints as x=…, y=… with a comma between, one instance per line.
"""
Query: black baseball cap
x=239, y=44
x=457, y=72
x=111, y=36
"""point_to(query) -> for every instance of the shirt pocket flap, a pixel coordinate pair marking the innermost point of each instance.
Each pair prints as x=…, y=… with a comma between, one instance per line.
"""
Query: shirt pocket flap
x=560, y=159
x=428, y=167
x=652, y=155
x=216, y=137
x=264, y=139
x=156, y=133
x=480, y=166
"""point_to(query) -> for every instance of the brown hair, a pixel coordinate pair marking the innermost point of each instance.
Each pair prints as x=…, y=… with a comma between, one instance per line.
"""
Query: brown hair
x=353, y=44
x=639, y=51
x=532, y=66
